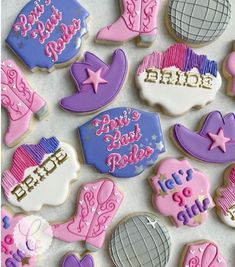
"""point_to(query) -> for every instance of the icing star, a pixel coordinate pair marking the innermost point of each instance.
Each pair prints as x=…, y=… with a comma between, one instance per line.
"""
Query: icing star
x=219, y=140
x=151, y=222
x=95, y=79
x=154, y=137
x=198, y=219
x=159, y=146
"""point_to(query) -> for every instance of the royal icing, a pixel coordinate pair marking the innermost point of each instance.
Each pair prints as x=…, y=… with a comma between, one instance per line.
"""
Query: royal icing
x=229, y=68
x=225, y=198
x=198, y=22
x=178, y=73
x=203, y=254
x=214, y=143
x=98, y=83
x=139, y=19
x=47, y=33
x=11, y=255
x=128, y=140
x=71, y=260
x=40, y=174
x=97, y=204
x=20, y=101
x=181, y=192
x=140, y=240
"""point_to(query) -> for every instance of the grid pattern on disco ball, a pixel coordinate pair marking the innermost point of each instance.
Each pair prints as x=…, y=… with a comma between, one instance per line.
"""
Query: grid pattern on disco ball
x=136, y=243
x=198, y=21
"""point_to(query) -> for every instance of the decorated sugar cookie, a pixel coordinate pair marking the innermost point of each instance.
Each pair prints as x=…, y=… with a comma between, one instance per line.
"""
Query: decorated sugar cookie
x=48, y=33
x=214, y=143
x=203, y=254
x=97, y=204
x=229, y=72
x=178, y=73
x=40, y=174
x=20, y=101
x=127, y=140
x=72, y=260
x=11, y=255
x=98, y=83
x=138, y=19
x=198, y=22
x=225, y=198
x=181, y=192
x=140, y=240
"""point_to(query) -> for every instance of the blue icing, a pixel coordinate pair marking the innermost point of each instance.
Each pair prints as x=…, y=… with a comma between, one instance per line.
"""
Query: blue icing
x=31, y=51
x=142, y=130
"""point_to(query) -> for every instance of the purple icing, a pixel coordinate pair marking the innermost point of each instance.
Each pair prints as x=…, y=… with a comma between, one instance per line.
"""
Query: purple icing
x=199, y=144
x=86, y=99
x=39, y=44
x=72, y=260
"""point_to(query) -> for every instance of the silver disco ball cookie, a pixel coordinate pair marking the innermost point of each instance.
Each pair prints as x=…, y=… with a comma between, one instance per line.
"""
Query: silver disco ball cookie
x=140, y=241
x=198, y=21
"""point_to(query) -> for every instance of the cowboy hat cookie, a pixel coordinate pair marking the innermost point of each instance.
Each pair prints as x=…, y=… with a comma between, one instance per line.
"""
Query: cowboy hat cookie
x=98, y=83
x=197, y=22
x=40, y=174
x=181, y=192
x=48, y=33
x=225, y=197
x=20, y=101
x=138, y=19
x=97, y=204
x=229, y=72
x=11, y=255
x=178, y=73
x=202, y=254
x=74, y=260
x=214, y=143
x=127, y=141
x=140, y=240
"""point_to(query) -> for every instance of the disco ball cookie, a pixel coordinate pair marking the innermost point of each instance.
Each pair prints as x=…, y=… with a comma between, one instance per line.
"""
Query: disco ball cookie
x=181, y=192
x=229, y=71
x=97, y=82
x=74, y=260
x=48, y=33
x=140, y=240
x=225, y=197
x=178, y=73
x=197, y=22
x=138, y=20
x=40, y=174
x=97, y=204
x=202, y=254
x=128, y=140
x=21, y=102
x=214, y=143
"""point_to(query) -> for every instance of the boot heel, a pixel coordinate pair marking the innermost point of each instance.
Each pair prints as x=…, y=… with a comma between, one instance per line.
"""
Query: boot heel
x=146, y=40
x=42, y=112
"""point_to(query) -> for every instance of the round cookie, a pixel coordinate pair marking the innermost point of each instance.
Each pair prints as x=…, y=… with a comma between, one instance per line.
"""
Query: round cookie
x=181, y=192
x=140, y=240
x=214, y=143
x=197, y=22
x=97, y=82
x=202, y=254
x=48, y=33
x=178, y=73
x=40, y=174
x=225, y=197
x=72, y=259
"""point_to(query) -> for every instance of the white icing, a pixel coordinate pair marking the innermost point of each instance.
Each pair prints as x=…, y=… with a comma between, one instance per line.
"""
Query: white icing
x=227, y=220
x=177, y=99
x=54, y=189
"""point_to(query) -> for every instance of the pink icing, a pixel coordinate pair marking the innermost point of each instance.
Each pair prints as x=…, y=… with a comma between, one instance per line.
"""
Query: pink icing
x=204, y=254
x=181, y=192
x=95, y=79
x=219, y=140
x=97, y=204
x=10, y=255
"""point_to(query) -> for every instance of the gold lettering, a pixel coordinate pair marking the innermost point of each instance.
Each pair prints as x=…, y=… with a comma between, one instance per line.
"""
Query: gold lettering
x=19, y=192
x=49, y=166
x=167, y=76
x=29, y=182
x=60, y=156
x=152, y=75
x=207, y=81
x=193, y=79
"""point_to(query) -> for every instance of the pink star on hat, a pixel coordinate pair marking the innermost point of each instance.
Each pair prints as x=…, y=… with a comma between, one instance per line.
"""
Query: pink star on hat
x=95, y=79
x=219, y=140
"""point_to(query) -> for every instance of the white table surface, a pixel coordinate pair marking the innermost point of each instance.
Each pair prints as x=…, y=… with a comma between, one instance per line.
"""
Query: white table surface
x=62, y=124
